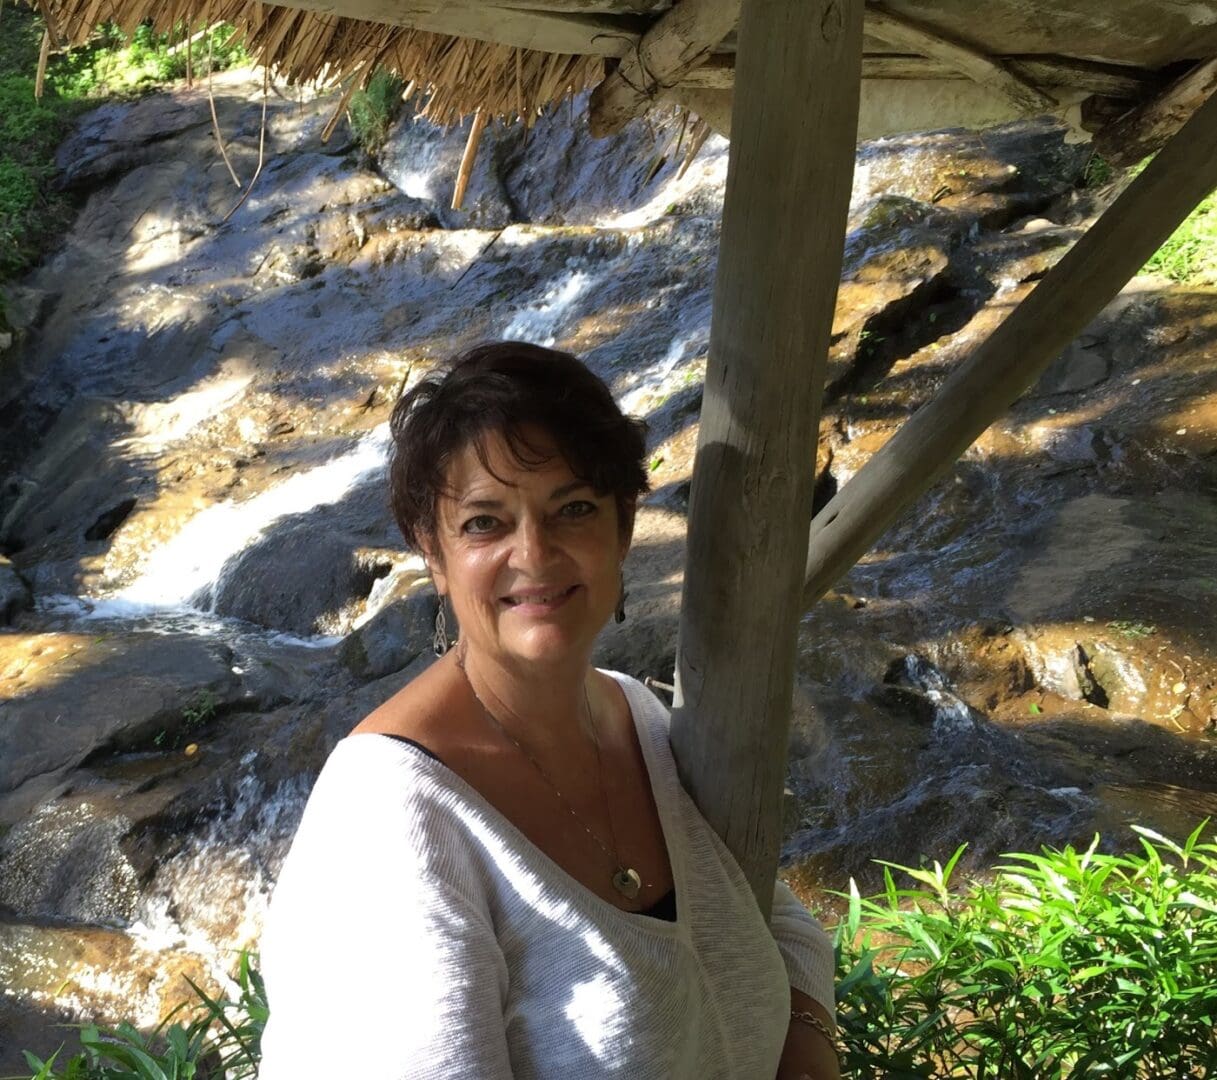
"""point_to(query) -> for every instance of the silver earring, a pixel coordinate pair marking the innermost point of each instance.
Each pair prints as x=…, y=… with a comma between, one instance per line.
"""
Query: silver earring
x=440, y=643
x=619, y=614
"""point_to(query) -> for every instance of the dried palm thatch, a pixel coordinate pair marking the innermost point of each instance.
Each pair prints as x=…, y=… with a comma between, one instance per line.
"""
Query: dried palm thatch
x=455, y=76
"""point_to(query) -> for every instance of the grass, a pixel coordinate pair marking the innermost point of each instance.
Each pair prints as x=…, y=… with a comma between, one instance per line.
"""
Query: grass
x=1068, y=964
x=111, y=65
x=1190, y=255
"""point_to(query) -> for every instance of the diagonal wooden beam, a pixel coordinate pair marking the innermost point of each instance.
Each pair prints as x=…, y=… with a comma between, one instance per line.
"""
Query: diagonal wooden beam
x=673, y=46
x=1063, y=303
x=788, y=183
x=907, y=34
x=1139, y=133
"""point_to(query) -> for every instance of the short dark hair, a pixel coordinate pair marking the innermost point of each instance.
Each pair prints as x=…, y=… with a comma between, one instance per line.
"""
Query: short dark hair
x=503, y=387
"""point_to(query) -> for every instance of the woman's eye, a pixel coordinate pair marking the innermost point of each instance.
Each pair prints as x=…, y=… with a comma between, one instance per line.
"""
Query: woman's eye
x=483, y=523
x=579, y=508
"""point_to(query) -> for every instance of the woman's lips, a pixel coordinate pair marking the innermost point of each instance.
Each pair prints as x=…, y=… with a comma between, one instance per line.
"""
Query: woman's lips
x=540, y=601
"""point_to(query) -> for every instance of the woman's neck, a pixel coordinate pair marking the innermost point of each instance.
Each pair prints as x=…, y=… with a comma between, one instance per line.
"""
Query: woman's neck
x=541, y=705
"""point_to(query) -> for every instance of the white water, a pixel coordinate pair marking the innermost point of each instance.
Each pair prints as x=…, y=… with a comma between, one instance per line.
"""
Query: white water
x=657, y=380
x=182, y=569
x=211, y=897
x=541, y=321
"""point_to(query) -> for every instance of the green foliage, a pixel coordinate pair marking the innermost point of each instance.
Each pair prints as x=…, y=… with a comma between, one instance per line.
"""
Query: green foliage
x=113, y=64
x=1067, y=965
x=1098, y=172
x=371, y=111
x=31, y=213
x=1190, y=255
x=1129, y=629
x=29, y=132
x=218, y=1040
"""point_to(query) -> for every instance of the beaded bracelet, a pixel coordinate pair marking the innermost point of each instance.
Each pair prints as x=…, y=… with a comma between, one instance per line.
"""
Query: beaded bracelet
x=814, y=1021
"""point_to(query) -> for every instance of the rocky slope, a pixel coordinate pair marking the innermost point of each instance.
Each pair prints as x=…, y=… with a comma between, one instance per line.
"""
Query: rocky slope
x=204, y=590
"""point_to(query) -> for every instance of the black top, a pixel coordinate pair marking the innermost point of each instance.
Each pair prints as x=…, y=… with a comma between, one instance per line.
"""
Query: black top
x=663, y=908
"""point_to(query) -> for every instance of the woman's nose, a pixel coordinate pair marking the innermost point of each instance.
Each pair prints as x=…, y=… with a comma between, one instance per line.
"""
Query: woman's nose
x=534, y=546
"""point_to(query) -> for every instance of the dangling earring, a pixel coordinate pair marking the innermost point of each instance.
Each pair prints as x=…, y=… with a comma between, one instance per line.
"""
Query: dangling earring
x=619, y=614
x=440, y=643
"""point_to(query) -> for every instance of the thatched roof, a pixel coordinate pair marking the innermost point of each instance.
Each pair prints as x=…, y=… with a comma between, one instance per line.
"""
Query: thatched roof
x=512, y=58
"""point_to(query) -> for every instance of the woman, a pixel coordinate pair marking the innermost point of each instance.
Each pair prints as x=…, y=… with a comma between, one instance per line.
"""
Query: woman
x=498, y=874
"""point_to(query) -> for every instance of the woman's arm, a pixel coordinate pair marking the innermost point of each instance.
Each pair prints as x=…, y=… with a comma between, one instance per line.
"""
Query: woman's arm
x=810, y=963
x=808, y=1054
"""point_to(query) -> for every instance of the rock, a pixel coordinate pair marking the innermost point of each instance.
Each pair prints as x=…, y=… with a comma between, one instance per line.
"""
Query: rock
x=70, y=484
x=15, y=595
x=1083, y=365
x=121, y=136
x=398, y=633
x=299, y=577
x=1109, y=678
x=70, y=696
x=423, y=162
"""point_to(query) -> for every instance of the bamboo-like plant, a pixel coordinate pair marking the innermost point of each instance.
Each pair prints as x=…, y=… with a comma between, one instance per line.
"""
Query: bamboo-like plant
x=217, y=1040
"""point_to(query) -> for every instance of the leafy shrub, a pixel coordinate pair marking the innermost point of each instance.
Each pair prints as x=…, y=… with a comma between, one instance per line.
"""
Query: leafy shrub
x=220, y=1041
x=1067, y=965
x=29, y=131
x=371, y=111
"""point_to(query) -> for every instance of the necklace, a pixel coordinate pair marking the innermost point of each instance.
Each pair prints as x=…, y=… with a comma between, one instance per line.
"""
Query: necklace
x=626, y=880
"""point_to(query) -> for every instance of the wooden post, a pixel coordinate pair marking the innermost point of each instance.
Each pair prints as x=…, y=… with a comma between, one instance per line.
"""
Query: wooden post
x=788, y=184
x=1014, y=356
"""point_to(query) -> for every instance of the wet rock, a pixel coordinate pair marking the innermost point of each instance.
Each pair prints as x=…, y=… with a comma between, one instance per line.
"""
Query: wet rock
x=15, y=595
x=300, y=577
x=423, y=162
x=72, y=482
x=122, y=136
x=399, y=632
x=1083, y=365
x=1108, y=678
x=73, y=695
x=66, y=861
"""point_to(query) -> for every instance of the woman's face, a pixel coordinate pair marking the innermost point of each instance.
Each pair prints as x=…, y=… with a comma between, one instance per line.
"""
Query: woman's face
x=530, y=557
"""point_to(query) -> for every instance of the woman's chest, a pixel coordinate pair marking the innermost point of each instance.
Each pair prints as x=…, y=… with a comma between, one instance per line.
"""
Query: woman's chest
x=589, y=819
x=666, y=1011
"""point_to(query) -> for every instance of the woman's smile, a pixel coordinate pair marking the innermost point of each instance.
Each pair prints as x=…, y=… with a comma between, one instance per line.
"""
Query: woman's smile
x=539, y=601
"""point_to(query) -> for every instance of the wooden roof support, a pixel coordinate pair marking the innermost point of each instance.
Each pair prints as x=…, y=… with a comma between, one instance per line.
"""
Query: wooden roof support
x=718, y=73
x=1142, y=131
x=547, y=31
x=906, y=34
x=1010, y=361
x=673, y=46
x=788, y=184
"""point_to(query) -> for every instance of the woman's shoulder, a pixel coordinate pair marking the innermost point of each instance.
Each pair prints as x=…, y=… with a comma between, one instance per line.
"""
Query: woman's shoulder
x=642, y=702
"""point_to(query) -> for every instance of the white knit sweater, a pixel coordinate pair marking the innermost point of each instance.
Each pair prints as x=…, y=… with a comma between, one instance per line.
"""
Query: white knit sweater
x=415, y=932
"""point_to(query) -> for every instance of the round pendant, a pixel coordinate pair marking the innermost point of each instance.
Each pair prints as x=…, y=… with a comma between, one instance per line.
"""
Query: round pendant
x=627, y=882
